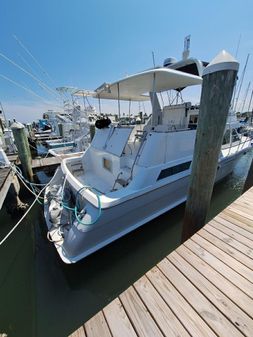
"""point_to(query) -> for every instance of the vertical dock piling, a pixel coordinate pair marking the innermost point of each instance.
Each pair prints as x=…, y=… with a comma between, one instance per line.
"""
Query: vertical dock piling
x=92, y=131
x=249, y=179
x=24, y=152
x=218, y=83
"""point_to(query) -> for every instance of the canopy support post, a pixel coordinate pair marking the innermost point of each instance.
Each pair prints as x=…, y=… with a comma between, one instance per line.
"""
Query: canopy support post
x=118, y=100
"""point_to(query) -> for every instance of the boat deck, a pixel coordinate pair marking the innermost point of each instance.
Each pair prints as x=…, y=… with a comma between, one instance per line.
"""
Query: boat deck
x=203, y=288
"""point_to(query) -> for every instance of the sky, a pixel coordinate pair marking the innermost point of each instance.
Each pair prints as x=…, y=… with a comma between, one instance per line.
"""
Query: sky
x=84, y=43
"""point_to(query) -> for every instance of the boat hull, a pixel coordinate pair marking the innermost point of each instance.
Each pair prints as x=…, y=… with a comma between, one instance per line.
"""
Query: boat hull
x=82, y=240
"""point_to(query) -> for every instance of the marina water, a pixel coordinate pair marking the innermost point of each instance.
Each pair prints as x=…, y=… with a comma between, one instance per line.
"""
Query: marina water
x=41, y=296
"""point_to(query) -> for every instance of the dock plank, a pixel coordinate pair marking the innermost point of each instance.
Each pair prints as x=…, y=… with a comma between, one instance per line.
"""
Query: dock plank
x=6, y=178
x=227, y=222
x=229, y=245
x=243, y=208
x=139, y=315
x=117, y=320
x=164, y=317
x=242, y=213
x=78, y=333
x=209, y=313
x=228, y=308
x=218, y=280
x=225, y=258
x=97, y=326
x=221, y=267
x=245, y=241
x=194, y=324
x=203, y=288
x=236, y=219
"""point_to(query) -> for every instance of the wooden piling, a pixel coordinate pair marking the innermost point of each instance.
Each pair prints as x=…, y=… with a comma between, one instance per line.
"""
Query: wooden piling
x=218, y=83
x=249, y=179
x=24, y=152
x=92, y=131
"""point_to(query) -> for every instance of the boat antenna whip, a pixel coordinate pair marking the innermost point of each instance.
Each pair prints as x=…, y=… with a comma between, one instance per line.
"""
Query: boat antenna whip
x=153, y=58
x=240, y=86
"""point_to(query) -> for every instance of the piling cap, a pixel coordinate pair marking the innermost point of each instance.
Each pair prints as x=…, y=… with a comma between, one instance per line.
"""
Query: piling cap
x=223, y=61
x=17, y=125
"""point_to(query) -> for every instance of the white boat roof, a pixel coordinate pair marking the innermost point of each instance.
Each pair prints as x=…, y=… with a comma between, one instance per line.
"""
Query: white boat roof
x=137, y=87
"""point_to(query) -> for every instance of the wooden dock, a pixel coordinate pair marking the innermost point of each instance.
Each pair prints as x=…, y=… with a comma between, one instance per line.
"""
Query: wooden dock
x=52, y=161
x=6, y=178
x=203, y=288
x=46, y=162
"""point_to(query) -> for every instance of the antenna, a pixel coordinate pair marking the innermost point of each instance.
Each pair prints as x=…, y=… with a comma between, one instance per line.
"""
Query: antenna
x=187, y=42
x=240, y=87
x=153, y=57
x=246, y=94
x=250, y=100
x=238, y=45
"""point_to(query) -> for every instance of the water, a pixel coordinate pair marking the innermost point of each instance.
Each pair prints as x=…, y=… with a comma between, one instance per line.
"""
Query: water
x=40, y=296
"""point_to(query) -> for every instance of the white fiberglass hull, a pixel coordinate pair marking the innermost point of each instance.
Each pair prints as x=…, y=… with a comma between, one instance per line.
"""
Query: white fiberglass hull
x=81, y=240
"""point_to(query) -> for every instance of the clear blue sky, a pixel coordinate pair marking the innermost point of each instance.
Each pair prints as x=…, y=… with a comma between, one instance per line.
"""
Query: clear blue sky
x=84, y=43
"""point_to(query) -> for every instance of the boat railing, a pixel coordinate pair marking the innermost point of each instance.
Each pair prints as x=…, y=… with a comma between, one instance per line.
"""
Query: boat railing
x=239, y=145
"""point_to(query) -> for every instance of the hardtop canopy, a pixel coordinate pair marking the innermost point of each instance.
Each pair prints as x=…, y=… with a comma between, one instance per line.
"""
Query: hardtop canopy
x=137, y=87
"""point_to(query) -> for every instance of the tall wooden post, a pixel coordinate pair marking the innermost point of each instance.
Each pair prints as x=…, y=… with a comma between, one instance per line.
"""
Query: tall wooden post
x=92, y=131
x=218, y=83
x=249, y=179
x=24, y=152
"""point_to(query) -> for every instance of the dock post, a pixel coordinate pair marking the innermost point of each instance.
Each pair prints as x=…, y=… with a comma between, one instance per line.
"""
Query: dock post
x=24, y=152
x=92, y=131
x=249, y=179
x=219, y=79
x=61, y=131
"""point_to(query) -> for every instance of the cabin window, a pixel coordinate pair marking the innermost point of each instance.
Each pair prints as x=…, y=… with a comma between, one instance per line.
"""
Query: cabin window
x=170, y=171
x=226, y=138
x=235, y=136
x=107, y=164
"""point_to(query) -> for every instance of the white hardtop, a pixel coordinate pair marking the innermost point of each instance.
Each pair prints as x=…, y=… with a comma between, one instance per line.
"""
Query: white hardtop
x=136, y=87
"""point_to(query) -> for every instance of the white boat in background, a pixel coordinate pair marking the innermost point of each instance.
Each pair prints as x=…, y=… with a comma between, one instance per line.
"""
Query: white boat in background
x=74, y=128
x=126, y=178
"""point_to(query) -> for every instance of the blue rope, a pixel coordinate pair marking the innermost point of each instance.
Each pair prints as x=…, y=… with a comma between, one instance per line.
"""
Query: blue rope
x=99, y=207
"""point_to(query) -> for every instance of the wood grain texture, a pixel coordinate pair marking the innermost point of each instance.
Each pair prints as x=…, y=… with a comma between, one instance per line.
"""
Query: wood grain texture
x=208, y=312
x=117, y=320
x=228, y=308
x=193, y=323
x=202, y=289
x=167, y=321
x=97, y=326
x=78, y=333
x=225, y=258
x=228, y=245
x=139, y=315
x=221, y=267
x=218, y=280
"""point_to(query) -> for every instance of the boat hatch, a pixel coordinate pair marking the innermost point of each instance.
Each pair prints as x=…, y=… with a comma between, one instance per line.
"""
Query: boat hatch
x=112, y=140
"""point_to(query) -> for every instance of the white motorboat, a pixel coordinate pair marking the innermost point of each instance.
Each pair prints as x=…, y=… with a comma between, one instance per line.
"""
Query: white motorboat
x=126, y=178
